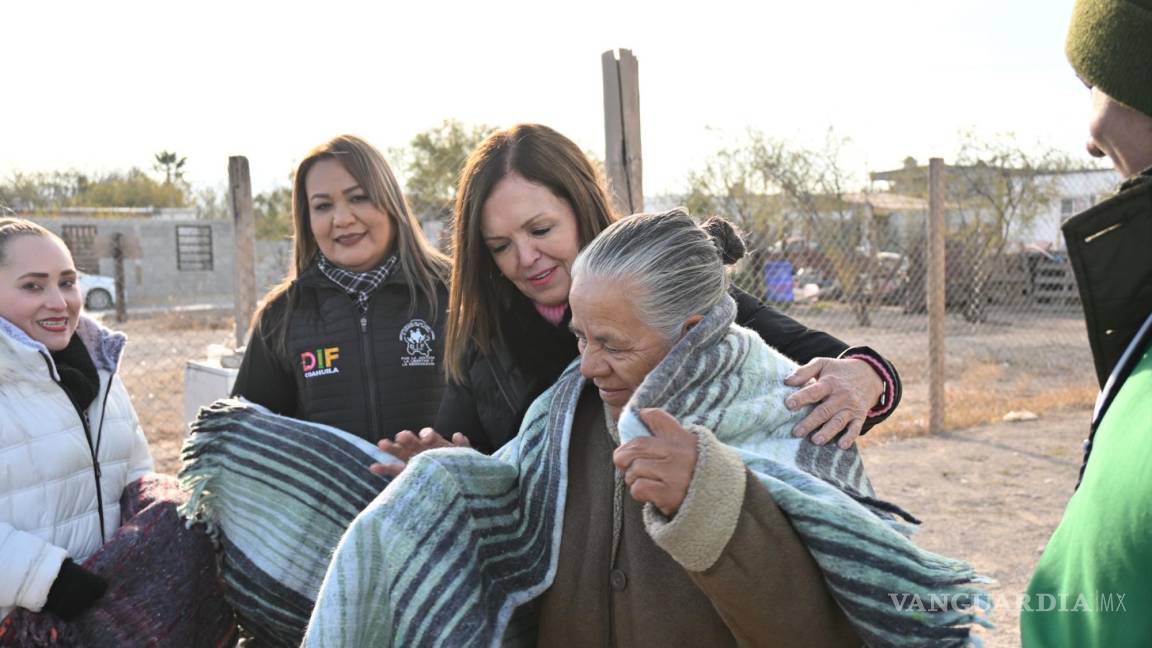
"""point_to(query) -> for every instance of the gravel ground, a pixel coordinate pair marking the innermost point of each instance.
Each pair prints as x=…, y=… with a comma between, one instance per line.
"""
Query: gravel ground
x=991, y=495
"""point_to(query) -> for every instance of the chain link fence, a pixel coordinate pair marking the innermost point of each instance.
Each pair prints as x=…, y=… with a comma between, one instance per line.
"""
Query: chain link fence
x=857, y=268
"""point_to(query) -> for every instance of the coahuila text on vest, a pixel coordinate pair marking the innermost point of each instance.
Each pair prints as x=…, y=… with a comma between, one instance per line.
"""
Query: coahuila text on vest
x=320, y=362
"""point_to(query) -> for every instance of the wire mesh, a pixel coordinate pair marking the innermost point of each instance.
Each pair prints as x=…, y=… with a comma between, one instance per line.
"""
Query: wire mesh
x=1015, y=334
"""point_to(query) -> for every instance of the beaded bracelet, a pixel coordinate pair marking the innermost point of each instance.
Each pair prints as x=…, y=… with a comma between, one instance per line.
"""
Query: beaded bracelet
x=887, y=397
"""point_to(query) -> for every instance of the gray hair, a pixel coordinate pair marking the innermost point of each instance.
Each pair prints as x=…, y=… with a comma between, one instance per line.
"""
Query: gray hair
x=677, y=265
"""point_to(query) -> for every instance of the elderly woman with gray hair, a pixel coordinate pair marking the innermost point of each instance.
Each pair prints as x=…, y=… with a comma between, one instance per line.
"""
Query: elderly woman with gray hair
x=654, y=496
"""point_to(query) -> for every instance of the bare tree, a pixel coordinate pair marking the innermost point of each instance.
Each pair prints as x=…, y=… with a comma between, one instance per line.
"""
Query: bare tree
x=431, y=163
x=819, y=190
x=1001, y=186
x=775, y=190
x=998, y=188
x=733, y=186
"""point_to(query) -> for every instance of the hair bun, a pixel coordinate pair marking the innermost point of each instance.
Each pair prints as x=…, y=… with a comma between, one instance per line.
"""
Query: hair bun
x=727, y=240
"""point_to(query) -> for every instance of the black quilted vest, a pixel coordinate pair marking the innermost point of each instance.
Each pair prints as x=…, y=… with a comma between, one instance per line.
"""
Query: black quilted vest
x=372, y=376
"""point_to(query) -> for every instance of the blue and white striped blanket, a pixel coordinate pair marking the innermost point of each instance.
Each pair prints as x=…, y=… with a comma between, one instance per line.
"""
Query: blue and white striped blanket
x=451, y=551
x=277, y=494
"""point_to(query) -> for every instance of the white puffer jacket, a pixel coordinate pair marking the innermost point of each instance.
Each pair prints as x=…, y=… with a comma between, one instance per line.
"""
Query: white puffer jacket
x=48, y=504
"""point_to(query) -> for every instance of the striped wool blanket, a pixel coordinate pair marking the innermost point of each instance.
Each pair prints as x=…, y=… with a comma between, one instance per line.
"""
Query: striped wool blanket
x=163, y=586
x=277, y=494
x=451, y=551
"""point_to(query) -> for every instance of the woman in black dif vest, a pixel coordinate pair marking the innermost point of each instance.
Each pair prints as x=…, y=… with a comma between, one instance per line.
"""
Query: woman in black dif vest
x=352, y=337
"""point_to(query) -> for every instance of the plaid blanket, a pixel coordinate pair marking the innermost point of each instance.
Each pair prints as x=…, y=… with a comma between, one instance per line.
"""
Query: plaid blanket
x=277, y=493
x=163, y=586
x=454, y=548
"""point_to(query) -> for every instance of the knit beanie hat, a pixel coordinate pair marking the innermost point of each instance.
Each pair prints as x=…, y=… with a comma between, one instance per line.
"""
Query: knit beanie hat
x=1110, y=47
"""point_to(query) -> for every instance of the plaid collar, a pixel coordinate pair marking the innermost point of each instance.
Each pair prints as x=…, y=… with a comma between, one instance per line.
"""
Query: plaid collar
x=358, y=285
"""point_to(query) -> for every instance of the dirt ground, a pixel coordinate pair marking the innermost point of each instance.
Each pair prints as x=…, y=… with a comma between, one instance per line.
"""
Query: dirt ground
x=991, y=494
x=153, y=368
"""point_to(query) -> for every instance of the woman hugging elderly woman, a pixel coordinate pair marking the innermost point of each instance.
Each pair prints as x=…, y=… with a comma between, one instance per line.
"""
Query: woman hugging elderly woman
x=655, y=495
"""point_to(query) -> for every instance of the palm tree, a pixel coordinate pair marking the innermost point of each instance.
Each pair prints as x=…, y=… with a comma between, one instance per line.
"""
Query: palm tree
x=171, y=165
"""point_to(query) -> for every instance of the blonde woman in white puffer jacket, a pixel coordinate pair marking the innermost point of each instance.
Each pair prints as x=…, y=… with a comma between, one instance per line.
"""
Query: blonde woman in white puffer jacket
x=69, y=437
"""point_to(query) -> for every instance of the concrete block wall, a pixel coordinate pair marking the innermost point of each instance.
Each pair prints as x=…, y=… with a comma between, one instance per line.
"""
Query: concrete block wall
x=151, y=273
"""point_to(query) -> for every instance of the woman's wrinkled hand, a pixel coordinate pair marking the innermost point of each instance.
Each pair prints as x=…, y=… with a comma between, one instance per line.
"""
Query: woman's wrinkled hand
x=658, y=469
x=843, y=392
x=407, y=445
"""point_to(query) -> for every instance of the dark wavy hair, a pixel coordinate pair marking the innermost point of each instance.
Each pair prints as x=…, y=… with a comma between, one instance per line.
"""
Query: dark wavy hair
x=479, y=292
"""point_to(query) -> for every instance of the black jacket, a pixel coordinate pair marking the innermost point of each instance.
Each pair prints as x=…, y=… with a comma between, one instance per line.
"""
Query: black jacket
x=1110, y=247
x=489, y=404
x=371, y=376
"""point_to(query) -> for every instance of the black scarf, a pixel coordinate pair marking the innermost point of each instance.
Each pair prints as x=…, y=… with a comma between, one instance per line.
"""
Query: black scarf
x=78, y=376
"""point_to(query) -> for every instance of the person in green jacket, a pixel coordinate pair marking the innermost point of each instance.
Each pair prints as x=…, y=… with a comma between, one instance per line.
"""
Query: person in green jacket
x=1093, y=584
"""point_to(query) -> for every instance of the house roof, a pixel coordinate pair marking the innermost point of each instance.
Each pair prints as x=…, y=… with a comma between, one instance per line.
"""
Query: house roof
x=887, y=202
x=914, y=170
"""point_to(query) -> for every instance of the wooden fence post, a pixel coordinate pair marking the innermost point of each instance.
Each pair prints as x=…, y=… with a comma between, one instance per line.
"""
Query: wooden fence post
x=244, y=262
x=936, y=295
x=118, y=276
x=622, y=130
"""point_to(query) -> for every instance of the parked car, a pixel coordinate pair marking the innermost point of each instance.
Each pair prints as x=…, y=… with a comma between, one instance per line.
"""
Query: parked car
x=98, y=292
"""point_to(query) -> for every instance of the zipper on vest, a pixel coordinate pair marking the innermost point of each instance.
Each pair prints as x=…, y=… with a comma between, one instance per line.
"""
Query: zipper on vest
x=369, y=377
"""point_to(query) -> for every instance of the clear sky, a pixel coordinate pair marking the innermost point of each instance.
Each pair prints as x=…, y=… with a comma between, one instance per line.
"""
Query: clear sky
x=99, y=86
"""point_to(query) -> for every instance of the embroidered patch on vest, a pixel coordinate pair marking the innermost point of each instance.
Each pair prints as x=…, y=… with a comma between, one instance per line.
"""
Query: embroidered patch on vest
x=320, y=362
x=418, y=337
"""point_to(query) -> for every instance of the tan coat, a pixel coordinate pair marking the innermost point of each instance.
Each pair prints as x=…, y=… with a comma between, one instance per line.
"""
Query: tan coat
x=728, y=570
